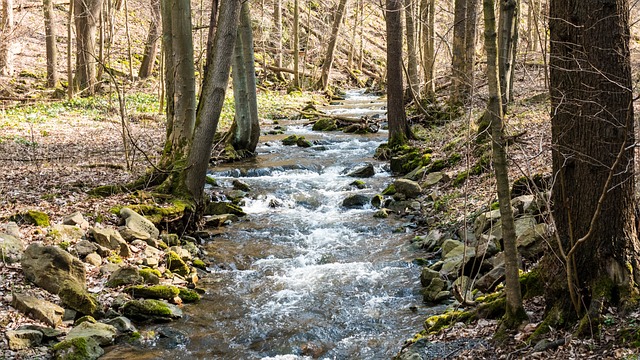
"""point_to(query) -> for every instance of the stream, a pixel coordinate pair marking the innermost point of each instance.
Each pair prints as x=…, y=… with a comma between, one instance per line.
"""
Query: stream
x=301, y=277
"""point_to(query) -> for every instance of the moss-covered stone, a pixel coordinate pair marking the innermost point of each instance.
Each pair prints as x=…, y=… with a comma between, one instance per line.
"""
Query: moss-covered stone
x=176, y=264
x=199, y=264
x=170, y=211
x=531, y=284
x=35, y=217
x=359, y=184
x=166, y=292
x=436, y=323
x=290, y=140
x=461, y=178
x=304, y=143
x=150, y=310
x=150, y=276
x=188, y=295
x=106, y=190
x=377, y=201
x=220, y=208
x=80, y=348
x=73, y=295
x=325, y=124
x=389, y=190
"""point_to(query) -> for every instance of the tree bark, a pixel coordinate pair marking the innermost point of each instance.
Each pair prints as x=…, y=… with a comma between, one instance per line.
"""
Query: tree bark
x=87, y=17
x=514, y=310
x=151, y=47
x=398, y=126
x=593, y=156
x=6, y=35
x=427, y=16
x=296, y=44
x=507, y=46
x=464, y=34
x=50, y=39
x=323, y=83
x=247, y=130
x=212, y=95
x=277, y=20
x=412, y=54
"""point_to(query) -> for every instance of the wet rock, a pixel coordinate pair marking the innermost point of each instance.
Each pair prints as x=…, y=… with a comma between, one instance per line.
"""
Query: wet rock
x=290, y=140
x=169, y=338
x=165, y=292
x=111, y=239
x=377, y=201
x=355, y=201
x=362, y=171
x=139, y=223
x=431, y=291
x=241, y=185
x=103, y=334
x=221, y=208
x=50, y=266
x=150, y=310
x=84, y=248
x=125, y=276
x=427, y=275
x=303, y=143
x=325, y=124
x=122, y=324
x=93, y=259
x=176, y=264
x=409, y=188
x=76, y=219
x=23, y=339
x=235, y=196
x=11, y=248
x=38, y=309
x=381, y=214
x=219, y=220
x=76, y=297
x=78, y=348
x=358, y=184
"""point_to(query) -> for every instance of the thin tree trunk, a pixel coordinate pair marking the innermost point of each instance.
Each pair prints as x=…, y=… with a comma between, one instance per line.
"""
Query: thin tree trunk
x=277, y=20
x=50, y=39
x=151, y=47
x=69, y=61
x=87, y=16
x=398, y=127
x=412, y=55
x=323, y=83
x=514, y=310
x=212, y=98
x=507, y=45
x=296, y=44
x=427, y=17
x=128, y=34
x=6, y=35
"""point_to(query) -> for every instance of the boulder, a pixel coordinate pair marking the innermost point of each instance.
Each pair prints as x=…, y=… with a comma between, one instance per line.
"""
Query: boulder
x=219, y=220
x=125, y=276
x=122, y=324
x=77, y=298
x=303, y=143
x=78, y=348
x=138, y=223
x=355, y=201
x=150, y=310
x=453, y=261
x=23, y=339
x=150, y=276
x=449, y=245
x=93, y=259
x=176, y=264
x=50, y=266
x=66, y=233
x=220, y=208
x=241, y=185
x=434, y=178
x=48, y=333
x=409, y=188
x=11, y=248
x=488, y=282
x=381, y=214
x=362, y=171
x=325, y=124
x=531, y=243
x=170, y=239
x=12, y=229
x=103, y=334
x=427, y=275
x=417, y=174
x=38, y=309
x=290, y=140
x=431, y=291
x=166, y=292
x=485, y=220
x=84, y=248
x=111, y=239
x=76, y=219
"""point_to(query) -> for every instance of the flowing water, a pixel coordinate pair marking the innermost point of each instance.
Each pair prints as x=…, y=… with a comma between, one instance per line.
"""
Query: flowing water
x=304, y=277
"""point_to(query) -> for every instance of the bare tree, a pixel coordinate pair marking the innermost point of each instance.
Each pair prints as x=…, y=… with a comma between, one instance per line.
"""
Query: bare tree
x=411, y=29
x=399, y=132
x=87, y=18
x=464, y=35
x=507, y=47
x=151, y=46
x=6, y=34
x=50, y=39
x=323, y=83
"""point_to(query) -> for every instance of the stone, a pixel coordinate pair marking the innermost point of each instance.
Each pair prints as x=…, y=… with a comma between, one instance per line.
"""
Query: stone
x=48, y=333
x=111, y=239
x=453, y=261
x=166, y=292
x=377, y=201
x=84, y=248
x=150, y=310
x=427, y=275
x=50, y=266
x=139, y=223
x=220, y=208
x=176, y=264
x=122, y=324
x=449, y=245
x=290, y=140
x=241, y=185
x=219, y=220
x=103, y=334
x=125, y=276
x=532, y=242
x=485, y=220
x=11, y=248
x=184, y=254
x=303, y=143
x=35, y=217
x=325, y=124
x=381, y=214
x=131, y=235
x=488, y=282
x=409, y=188
x=93, y=259
x=355, y=201
x=417, y=174
x=23, y=339
x=66, y=233
x=363, y=171
x=434, y=178
x=13, y=229
x=76, y=297
x=430, y=292
x=76, y=219
x=78, y=348
x=171, y=338
x=38, y=309
x=170, y=239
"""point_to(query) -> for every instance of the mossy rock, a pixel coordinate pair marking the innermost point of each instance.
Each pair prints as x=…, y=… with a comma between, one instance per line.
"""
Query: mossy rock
x=383, y=152
x=74, y=296
x=107, y=190
x=461, y=178
x=325, y=124
x=80, y=348
x=188, y=295
x=220, y=208
x=32, y=217
x=390, y=190
x=303, y=143
x=359, y=184
x=199, y=264
x=150, y=276
x=290, y=140
x=377, y=201
x=531, y=284
x=176, y=264
x=436, y=323
x=166, y=292
x=173, y=210
x=150, y=310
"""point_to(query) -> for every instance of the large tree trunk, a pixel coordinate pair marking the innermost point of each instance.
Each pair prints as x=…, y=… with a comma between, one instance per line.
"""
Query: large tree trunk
x=247, y=129
x=212, y=95
x=151, y=47
x=323, y=83
x=514, y=310
x=593, y=157
x=6, y=35
x=464, y=35
x=398, y=126
x=507, y=47
x=87, y=18
x=50, y=39
x=412, y=53
x=427, y=16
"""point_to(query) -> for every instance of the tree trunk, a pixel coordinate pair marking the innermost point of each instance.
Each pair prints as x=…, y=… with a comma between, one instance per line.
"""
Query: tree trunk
x=6, y=35
x=398, y=126
x=323, y=83
x=87, y=16
x=212, y=95
x=50, y=39
x=247, y=130
x=593, y=157
x=151, y=47
x=412, y=54
x=277, y=20
x=427, y=16
x=464, y=35
x=507, y=46
x=514, y=310
x=296, y=44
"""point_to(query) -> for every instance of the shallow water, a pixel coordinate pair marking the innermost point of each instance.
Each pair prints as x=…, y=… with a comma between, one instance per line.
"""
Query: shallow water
x=308, y=278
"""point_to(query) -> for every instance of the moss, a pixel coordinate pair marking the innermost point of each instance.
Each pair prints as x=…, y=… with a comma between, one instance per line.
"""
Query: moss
x=383, y=152
x=37, y=218
x=80, y=348
x=64, y=245
x=148, y=271
x=531, y=284
x=134, y=336
x=377, y=201
x=114, y=259
x=290, y=140
x=86, y=318
x=166, y=292
x=106, y=190
x=495, y=205
x=436, y=323
x=454, y=159
x=189, y=296
x=211, y=181
x=199, y=264
x=390, y=190
x=158, y=214
x=554, y=318
x=176, y=264
x=461, y=178
x=482, y=165
x=631, y=336
x=438, y=165
x=325, y=124
x=146, y=307
x=360, y=184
